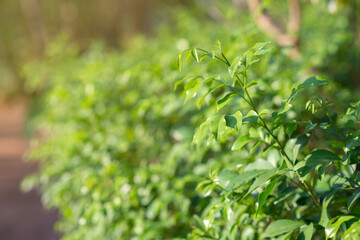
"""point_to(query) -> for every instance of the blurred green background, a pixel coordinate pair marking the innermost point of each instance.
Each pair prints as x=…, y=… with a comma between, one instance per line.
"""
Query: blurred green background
x=26, y=26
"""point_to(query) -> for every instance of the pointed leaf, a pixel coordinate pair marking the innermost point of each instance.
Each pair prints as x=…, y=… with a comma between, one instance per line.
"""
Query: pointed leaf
x=234, y=66
x=201, y=100
x=264, y=112
x=195, y=55
x=179, y=59
x=310, y=82
x=353, y=198
x=264, y=195
x=199, y=223
x=260, y=45
x=239, y=118
x=286, y=106
x=241, y=142
x=294, y=145
x=252, y=83
x=249, y=56
x=244, y=178
x=221, y=127
x=315, y=158
x=307, y=232
x=222, y=102
x=334, y=225
x=214, y=125
x=324, y=218
x=261, y=180
x=282, y=226
x=251, y=117
x=230, y=121
x=181, y=81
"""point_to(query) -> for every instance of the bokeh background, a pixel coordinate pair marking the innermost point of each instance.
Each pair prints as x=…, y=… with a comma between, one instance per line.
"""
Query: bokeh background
x=323, y=36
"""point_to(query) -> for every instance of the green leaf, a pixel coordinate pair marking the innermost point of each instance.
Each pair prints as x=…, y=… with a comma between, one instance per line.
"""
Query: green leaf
x=249, y=56
x=241, y=142
x=251, y=117
x=248, y=176
x=307, y=232
x=226, y=179
x=322, y=155
x=214, y=125
x=310, y=82
x=252, y=83
x=190, y=93
x=200, y=134
x=239, y=118
x=195, y=55
x=324, y=218
x=179, y=59
x=264, y=195
x=260, y=46
x=310, y=127
x=264, y=112
x=291, y=149
x=285, y=236
x=221, y=127
x=255, y=146
x=353, y=232
x=261, y=180
x=291, y=127
x=191, y=82
x=222, y=102
x=201, y=100
x=286, y=106
x=282, y=226
x=332, y=227
x=181, y=81
x=294, y=145
x=205, y=187
x=230, y=121
x=353, y=198
x=229, y=180
x=315, y=158
x=199, y=223
x=259, y=164
x=234, y=66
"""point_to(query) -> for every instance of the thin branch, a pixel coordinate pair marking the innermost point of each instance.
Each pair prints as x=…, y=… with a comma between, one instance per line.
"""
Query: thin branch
x=35, y=23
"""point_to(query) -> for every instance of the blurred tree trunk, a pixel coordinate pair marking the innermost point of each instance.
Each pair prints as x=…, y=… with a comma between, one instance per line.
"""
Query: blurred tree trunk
x=268, y=25
x=35, y=23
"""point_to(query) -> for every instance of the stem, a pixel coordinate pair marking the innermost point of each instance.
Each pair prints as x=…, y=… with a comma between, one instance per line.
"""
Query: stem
x=227, y=63
x=311, y=193
x=282, y=150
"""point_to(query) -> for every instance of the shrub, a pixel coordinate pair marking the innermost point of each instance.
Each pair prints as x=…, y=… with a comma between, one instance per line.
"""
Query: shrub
x=284, y=182
x=116, y=148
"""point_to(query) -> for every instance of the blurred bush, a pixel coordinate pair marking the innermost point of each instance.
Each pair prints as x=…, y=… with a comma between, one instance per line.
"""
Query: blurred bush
x=114, y=140
x=26, y=26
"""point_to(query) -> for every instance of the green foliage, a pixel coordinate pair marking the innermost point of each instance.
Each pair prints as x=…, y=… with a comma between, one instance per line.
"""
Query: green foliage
x=289, y=194
x=115, y=142
x=254, y=153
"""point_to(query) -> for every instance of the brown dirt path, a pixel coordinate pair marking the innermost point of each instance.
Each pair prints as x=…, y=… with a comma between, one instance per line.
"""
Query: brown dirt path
x=21, y=214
